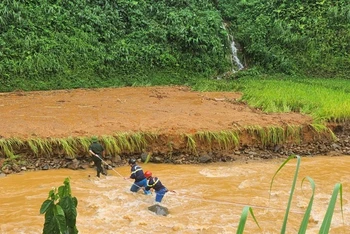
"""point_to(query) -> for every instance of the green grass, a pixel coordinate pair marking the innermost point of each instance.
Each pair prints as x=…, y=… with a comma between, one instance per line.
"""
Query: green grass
x=324, y=99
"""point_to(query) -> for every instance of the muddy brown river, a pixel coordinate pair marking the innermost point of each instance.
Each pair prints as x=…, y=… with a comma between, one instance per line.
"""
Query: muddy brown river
x=208, y=198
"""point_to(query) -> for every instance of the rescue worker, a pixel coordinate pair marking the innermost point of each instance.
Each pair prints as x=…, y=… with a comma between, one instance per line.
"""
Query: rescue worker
x=138, y=176
x=156, y=184
x=97, y=151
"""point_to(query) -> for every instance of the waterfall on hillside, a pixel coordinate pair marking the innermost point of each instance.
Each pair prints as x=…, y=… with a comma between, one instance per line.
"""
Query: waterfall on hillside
x=236, y=63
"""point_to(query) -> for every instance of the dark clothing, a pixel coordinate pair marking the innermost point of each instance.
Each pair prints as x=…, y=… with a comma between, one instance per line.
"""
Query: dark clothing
x=98, y=164
x=154, y=182
x=98, y=149
x=140, y=179
x=159, y=188
x=137, y=173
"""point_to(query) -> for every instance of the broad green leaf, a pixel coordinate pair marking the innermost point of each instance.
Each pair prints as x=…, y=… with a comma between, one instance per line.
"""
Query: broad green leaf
x=61, y=191
x=45, y=206
x=49, y=225
x=67, y=186
x=58, y=210
x=75, y=200
x=68, y=205
x=55, y=222
x=52, y=195
x=60, y=219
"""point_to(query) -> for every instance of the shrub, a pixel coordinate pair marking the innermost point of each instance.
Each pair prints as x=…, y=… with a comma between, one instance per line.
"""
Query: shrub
x=60, y=211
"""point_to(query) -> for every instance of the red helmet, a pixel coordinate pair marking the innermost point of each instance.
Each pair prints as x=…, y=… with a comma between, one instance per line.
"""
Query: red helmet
x=148, y=174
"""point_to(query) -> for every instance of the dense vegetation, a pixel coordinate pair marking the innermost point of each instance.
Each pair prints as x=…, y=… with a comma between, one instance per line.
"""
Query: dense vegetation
x=310, y=37
x=53, y=44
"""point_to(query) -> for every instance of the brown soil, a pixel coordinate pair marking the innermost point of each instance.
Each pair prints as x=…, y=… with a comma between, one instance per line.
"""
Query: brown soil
x=168, y=110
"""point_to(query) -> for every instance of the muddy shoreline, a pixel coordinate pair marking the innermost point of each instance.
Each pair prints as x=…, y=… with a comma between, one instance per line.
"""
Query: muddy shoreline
x=244, y=152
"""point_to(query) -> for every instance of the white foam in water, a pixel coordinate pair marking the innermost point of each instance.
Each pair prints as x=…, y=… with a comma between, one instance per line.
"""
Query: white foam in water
x=246, y=184
x=115, y=195
x=226, y=172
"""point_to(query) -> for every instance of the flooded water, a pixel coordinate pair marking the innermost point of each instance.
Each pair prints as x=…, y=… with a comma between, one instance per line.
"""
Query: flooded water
x=207, y=198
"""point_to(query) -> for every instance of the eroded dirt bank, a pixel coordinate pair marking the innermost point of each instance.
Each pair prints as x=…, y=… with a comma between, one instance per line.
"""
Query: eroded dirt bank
x=170, y=112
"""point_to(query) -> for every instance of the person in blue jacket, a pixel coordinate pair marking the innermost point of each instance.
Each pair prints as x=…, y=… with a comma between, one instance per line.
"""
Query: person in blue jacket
x=138, y=176
x=156, y=184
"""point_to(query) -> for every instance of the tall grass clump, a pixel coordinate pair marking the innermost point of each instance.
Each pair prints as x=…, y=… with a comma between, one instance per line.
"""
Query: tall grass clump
x=129, y=142
x=322, y=130
x=69, y=145
x=7, y=146
x=230, y=139
x=40, y=146
x=132, y=142
x=326, y=223
x=275, y=135
x=222, y=139
x=210, y=85
x=191, y=143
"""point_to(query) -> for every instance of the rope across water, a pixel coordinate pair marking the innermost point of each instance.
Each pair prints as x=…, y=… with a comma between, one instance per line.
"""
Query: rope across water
x=196, y=198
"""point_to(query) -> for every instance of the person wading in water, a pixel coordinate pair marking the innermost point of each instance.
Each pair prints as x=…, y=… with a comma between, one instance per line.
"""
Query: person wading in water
x=154, y=183
x=97, y=151
x=138, y=176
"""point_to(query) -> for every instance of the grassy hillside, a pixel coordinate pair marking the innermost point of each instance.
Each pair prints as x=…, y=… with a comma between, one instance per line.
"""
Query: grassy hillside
x=292, y=36
x=55, y=44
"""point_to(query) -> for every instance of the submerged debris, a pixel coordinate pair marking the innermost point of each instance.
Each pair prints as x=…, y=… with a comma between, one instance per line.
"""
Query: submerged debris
x=159, y=210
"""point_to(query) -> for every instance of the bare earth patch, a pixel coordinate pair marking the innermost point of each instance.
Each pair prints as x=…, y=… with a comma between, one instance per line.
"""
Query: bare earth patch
x=166, y=110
